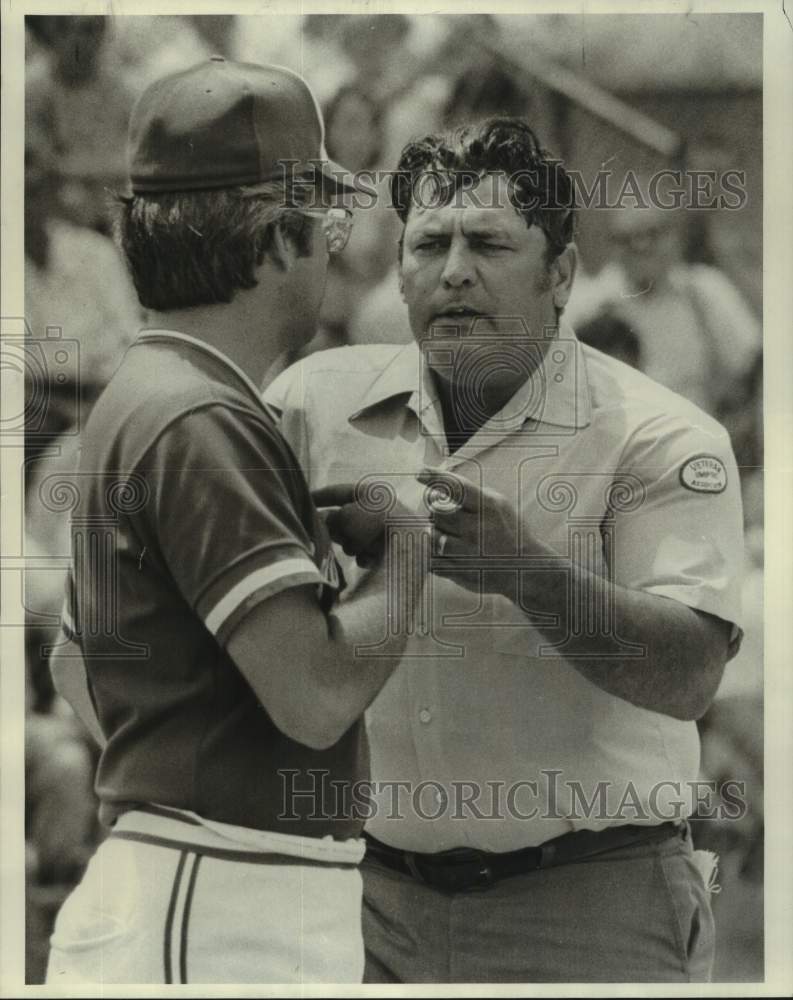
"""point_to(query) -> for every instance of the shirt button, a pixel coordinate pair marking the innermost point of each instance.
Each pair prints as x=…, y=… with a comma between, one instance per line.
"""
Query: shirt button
x=425, y=716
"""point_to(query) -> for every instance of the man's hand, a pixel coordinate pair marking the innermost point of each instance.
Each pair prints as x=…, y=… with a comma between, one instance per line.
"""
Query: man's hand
x=473, y=528
x=360, y=533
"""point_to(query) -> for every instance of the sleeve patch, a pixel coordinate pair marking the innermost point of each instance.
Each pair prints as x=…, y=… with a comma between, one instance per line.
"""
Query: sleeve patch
x=704, y=474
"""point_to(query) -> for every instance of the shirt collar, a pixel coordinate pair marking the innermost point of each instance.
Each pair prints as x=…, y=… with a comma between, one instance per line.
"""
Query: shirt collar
x=557, y=393
x=154, y=335
x=403, y=375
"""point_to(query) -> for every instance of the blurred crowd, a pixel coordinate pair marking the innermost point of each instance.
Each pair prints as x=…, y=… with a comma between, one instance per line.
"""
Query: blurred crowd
x=661, y=293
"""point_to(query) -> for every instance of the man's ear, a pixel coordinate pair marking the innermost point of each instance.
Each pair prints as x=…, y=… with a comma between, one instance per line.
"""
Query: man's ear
x=563, y=272
x=282, y=250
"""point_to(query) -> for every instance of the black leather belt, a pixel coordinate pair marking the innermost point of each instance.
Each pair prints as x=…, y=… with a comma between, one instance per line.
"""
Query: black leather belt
x=463, y=869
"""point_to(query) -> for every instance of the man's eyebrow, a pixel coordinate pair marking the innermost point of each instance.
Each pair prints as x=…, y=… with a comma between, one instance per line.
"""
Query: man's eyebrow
x=478, y=230
x=486, y=229
x=430, y=229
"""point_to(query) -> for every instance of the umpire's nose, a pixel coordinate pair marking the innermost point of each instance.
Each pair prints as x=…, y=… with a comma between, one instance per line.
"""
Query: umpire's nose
x=459, y=268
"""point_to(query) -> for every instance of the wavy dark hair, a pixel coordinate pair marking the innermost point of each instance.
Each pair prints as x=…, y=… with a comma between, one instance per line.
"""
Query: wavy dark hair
x=198, y=248
x=438, y=166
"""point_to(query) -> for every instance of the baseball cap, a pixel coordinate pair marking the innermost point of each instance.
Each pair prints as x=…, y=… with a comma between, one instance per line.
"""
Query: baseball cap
x=222, y=124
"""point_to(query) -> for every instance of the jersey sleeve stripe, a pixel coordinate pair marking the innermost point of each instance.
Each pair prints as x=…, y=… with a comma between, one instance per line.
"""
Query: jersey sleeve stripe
x=303, y=570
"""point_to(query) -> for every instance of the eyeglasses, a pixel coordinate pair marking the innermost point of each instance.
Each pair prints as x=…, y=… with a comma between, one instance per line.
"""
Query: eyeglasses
x=336, y=225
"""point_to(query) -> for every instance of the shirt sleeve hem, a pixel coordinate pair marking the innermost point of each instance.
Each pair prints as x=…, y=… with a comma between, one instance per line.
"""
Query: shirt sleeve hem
x=700, y=601
x=222, y=619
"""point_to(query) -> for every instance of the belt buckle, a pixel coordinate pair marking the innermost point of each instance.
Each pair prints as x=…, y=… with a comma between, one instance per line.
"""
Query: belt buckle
x=468, y=872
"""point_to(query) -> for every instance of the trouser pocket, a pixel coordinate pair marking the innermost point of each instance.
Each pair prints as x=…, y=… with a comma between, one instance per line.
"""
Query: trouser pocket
x=689, y=899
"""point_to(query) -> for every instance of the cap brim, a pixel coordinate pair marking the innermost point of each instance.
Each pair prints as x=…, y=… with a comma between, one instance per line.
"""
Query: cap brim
x=336, y=179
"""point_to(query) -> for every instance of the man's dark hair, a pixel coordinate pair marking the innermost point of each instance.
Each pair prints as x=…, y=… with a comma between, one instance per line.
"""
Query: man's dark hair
x=198, y=248
x=433, y=169
x=610, y=334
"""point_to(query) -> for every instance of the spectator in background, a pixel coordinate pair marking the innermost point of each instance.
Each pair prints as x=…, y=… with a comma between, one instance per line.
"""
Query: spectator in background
x=90, y=101
x=74, y=279
x=452, y=48
x=378, y=50
x=696, y=334
x=373, y=51
x=354, y=128
x=146, y=48
x=309, y=45
x=217, y=32
x=493, y=89
x=722, y=237
x=354, y=136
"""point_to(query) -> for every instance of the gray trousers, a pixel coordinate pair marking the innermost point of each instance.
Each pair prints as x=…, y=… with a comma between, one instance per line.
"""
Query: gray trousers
x=640, y=914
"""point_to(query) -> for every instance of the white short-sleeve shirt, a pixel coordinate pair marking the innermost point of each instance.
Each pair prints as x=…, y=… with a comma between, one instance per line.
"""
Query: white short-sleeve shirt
x=486, y=736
